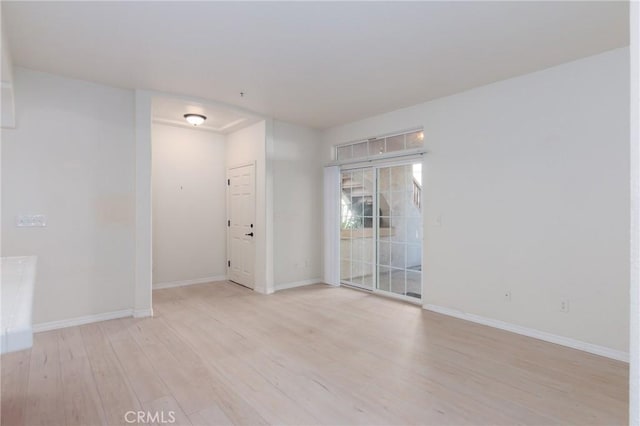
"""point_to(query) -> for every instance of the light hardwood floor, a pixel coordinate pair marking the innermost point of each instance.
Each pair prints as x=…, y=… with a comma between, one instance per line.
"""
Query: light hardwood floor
x=219, y=354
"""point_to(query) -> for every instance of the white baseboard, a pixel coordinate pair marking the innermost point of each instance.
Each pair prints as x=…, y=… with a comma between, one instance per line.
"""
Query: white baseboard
x=531, y=332
x=87, y=319
x=286, y=286
x=171, y=284
x=143, y=313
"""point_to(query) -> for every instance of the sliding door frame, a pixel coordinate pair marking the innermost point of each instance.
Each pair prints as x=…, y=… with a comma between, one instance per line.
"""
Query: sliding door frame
x=375, y=166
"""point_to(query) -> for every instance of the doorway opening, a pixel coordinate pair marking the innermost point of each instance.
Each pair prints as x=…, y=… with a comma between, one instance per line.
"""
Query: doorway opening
x=381, y=229
x=192, y=204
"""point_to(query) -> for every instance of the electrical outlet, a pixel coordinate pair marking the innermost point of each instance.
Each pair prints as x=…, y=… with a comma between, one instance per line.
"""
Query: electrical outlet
x=564, y=305
x=31, y=221
x=507, y=296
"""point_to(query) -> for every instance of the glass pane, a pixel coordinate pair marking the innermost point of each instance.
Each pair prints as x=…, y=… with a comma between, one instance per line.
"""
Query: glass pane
x=408, y=172
x=357, y=207
x=345, y=270
x=346, y=226
x=357, y=223
x=397, y=281
x=367, y=275
x=398, y=229
x=415, y=140
x=367, y=249
x=414, y=257
x=357, y=196
x=385, y=232
x=367, y=191
x=345, y=215
x=361, y=150
x=356, y=273
x=356, y=249
x=416, y=170
x=395, y=143
x=398, y=255
x=398, y=203
x=356, y=182
x=345, y=204
x=345, y=244
x=344, y=152
x=384, y=257
x=384, y=180
x=383, y=278
x=398, y=176
x=377, y=147
x=384, y=206
x=367, y=180
x=415, y=204
x=414, y=284
x=414, y=230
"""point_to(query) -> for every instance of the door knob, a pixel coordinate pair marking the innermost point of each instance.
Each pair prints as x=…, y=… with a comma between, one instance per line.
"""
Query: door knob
x=249, y=234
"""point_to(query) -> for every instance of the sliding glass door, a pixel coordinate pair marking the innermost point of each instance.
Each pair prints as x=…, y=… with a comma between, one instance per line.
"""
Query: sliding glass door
x=381, y=229
x=400, y=230
x=357, y=234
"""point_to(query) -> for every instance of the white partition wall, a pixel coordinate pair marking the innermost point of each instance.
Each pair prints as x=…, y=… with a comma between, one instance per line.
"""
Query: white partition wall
x=143, y=230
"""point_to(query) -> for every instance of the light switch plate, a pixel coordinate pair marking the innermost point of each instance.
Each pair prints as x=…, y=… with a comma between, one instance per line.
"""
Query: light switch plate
x=31, y=221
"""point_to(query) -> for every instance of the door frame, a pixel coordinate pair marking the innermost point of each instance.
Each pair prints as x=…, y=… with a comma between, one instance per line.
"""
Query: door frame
x=375, y=165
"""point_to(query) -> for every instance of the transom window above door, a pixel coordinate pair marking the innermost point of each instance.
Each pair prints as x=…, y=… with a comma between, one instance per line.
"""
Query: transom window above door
x=380, y=146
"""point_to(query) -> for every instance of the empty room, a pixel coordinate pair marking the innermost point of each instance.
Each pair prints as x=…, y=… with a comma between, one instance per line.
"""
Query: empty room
x=319, y=213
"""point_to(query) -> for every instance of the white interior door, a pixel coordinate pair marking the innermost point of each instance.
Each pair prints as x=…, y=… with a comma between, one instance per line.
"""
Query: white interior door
x=242, y=206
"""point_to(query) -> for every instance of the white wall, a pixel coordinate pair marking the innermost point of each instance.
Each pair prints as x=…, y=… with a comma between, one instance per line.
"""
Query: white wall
x=189, y=209
x=72, y=159
x=634, y=313
x=531, y=179
x=143, y=233
x=297, y=175
x=249, y=145
x=7, y=105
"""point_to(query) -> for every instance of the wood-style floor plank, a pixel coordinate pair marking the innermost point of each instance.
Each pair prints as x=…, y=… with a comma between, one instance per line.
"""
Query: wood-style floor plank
x=44, y=401
x=82, y=403
x=166, y=411
x=212, y=416
x=113, y=386
x=220, y=354
x=143, y=377
x=15, y=379
x=193, y=385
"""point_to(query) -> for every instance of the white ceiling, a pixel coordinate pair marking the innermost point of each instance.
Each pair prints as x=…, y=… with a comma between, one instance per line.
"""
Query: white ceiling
x=220, y=119
x=313, y=63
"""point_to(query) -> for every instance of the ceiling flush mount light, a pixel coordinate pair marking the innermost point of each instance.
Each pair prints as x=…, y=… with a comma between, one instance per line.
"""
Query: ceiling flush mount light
x=195, y=119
